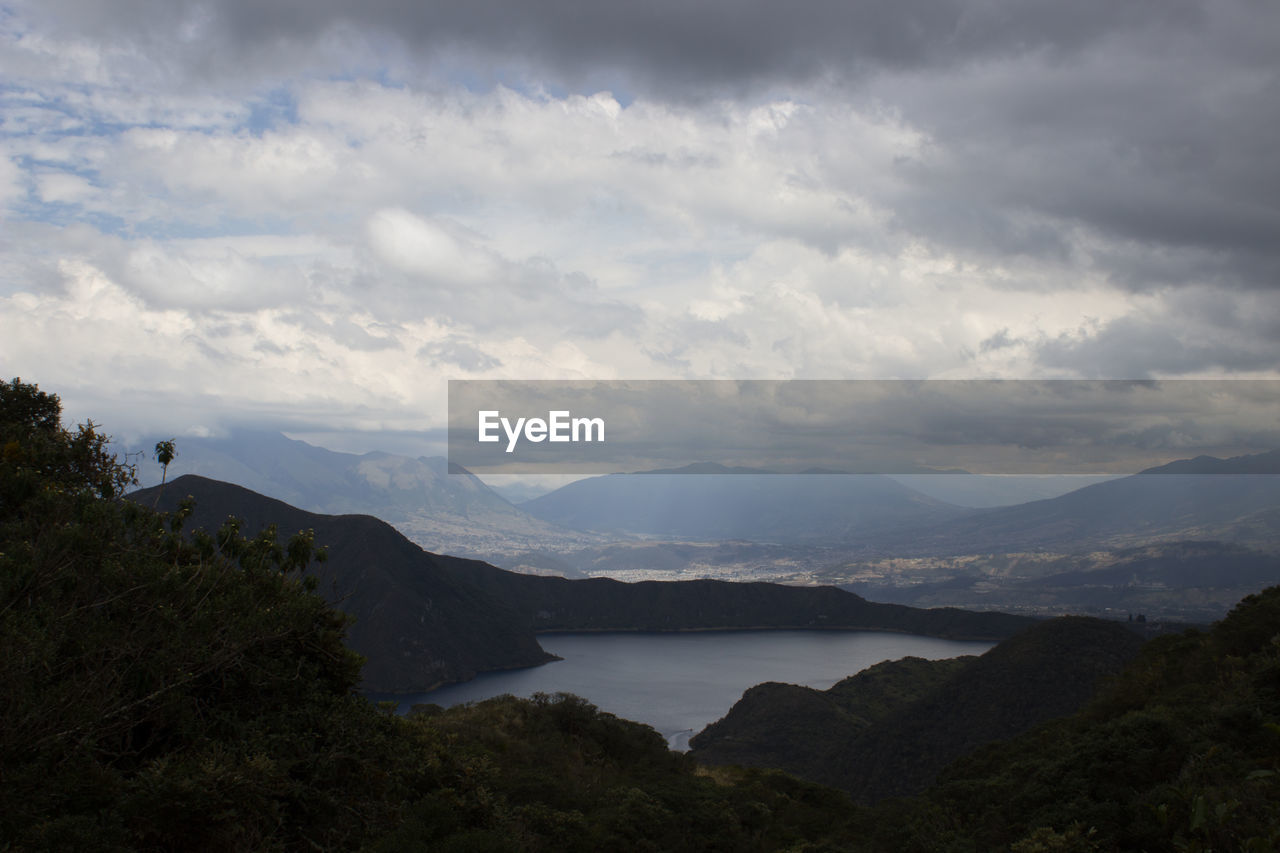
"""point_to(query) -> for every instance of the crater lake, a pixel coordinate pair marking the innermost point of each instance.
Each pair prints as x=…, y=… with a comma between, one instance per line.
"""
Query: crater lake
x=680, y=682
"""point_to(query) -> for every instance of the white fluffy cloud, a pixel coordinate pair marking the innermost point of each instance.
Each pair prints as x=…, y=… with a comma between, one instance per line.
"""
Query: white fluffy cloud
x=198, y=225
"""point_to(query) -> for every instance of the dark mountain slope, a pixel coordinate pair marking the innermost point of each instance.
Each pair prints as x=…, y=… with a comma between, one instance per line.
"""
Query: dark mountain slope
x=1048, y=671
x=1196, y=498
x=323, y=480
x=888, y=731
x=802, y=730
x=604, y=604
x=1257, y=463
x=424, y=618
x=442, y=508
x=1179, y=753
x=415, y=622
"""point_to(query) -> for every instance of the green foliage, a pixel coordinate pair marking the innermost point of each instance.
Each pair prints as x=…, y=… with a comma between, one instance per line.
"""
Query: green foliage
x=806, y=731
x=37, y=456
x=171, y=693
x=165, y=452
x=1181, y=753
x=159, y=693
x=890, y=729
x=165, y=692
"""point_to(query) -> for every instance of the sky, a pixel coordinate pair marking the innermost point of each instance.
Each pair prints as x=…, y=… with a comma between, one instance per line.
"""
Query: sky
x=309, y=216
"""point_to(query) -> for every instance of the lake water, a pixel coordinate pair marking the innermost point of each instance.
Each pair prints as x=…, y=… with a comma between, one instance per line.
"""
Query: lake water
x=681, y=682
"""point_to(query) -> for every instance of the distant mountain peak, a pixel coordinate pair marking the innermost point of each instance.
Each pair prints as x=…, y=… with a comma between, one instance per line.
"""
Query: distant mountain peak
x=740, y=504
x=447, y=513
x=1255, y=463
x=707, y=468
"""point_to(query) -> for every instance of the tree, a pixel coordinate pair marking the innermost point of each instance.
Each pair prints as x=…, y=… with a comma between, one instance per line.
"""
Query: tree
x=38, y=454
x=172, y=692
x=164, y=455
x=161, y=691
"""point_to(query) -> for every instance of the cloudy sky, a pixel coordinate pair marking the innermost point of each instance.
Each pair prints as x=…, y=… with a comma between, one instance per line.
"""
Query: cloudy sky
x=309, y=214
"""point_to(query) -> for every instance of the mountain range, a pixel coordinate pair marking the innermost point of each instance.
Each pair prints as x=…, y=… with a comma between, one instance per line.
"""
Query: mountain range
x=713, y=503
x=1186, y=580
x=161, y=696
x=448, y=509
x=1182, y=541
x=1203, y=498
x=441, y=508
x=423, y=619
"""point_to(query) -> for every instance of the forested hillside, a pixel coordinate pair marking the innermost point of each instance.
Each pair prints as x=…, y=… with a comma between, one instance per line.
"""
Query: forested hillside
x=422, y=619
x=1181, y=752
x=164, y=693
x=889, y=730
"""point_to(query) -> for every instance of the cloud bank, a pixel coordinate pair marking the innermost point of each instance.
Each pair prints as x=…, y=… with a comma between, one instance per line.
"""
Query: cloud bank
x=311, y=215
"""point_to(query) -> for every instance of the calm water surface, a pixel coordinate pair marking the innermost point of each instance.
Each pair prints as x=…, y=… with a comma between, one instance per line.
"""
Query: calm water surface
x=679, y=683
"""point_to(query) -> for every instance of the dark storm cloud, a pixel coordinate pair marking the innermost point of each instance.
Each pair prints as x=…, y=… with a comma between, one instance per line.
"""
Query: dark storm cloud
x=1137, y=346
x=673, y=42
x=1193, y=330
x=1153, y=138
x=1130, y=141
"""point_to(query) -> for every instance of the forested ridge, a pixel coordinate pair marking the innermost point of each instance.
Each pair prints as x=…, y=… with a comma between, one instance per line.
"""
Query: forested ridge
x=423, y=619
x=194, y=693
x=889, y=730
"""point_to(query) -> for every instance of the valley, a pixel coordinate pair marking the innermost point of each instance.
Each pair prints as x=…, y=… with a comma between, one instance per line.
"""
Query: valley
x=1181, y=542
x=228, y=667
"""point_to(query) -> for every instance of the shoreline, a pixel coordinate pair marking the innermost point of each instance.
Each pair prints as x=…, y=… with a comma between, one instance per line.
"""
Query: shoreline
x=757, y=628
x=400, y=697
